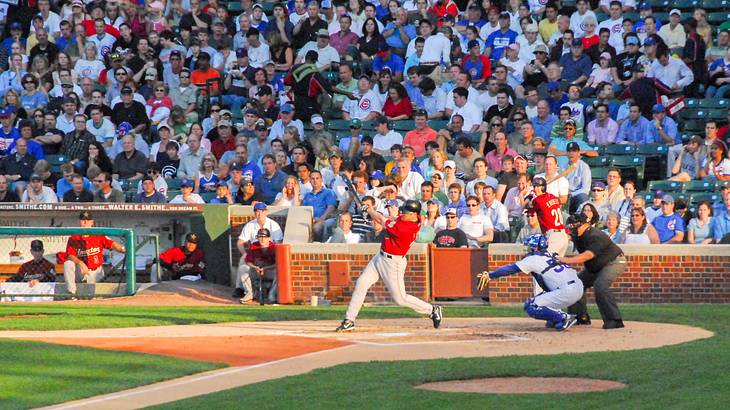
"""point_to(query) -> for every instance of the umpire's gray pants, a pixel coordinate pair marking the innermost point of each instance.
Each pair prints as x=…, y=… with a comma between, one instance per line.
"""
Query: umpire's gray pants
x=601, y=282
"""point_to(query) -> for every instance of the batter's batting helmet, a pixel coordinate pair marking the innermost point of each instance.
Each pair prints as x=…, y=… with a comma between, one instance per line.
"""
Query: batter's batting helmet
x=539, y=181
x=536, y=243
x=411, y=206
x=576, y=220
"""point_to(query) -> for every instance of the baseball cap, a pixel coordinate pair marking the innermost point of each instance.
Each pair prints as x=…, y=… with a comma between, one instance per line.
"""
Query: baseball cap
x=257, y=5
x=260, y=124
x=632, y=40
x=191, y=238
x=263, y=231
x=323, y=33
x=697, y=140
x=252, y=112
x=163, y=125
x=326, y=4
x=570, y=122
x=668, y=199
x=222, y=183
x=439, y=173
x=657, y=108
x=16, y=26
x=450, y=164
x=355, y=123
x=317, y=119
x=7, y=110
x=598, y=184
x=236, y=166
x=260, y=206
x=573, y=146
x=504, y=15
x=336, y=153
x=553, y=86
x=36, y=245
x=420, y=113
x=286, y=108
x=124, y=128
x=186, y=183
x=86, y=216
x=451, y=211
x=224, y=123
x=658, y=193
x=514, y=46
x=36, y=177
x=127, y=90
x=377, y=174
x=472, y=44
x=241, y=52
x=650, y=41
x=675, y=11
x=264, y=90
x=531, y=28
x=225, y=112
x=645, y=6
x=606, y=56
x=540, y=48
x=577, y=42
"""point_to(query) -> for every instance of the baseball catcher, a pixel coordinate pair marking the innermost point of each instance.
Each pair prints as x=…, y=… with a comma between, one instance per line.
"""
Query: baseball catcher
x=560, y=282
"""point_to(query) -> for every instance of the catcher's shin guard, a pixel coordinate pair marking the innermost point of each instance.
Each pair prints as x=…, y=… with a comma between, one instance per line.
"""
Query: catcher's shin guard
x=542, y=312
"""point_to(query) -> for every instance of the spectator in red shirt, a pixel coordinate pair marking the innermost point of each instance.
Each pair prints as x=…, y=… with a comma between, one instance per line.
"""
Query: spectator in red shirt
x=204, y=72
x=418, y=137
x=443, y=7
x=476, y=63
x=225, y=141
x=398, y=106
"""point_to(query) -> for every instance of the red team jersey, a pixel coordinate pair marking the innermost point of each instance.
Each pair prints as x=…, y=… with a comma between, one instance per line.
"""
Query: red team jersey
x=549, y=214
x=89, y=249
x=400, y=235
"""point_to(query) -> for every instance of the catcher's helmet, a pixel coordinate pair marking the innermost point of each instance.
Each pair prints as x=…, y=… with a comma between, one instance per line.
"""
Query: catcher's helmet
x=536, y=243
x=539, y=181
x=411, y=206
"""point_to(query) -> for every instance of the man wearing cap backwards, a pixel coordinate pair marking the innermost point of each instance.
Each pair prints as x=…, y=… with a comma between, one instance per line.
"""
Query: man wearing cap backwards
x=36, y=270
x=183, y=260
x=85, y=255
x=604, y=261
x=669, y=225
x=390, y=265
x=367, y=106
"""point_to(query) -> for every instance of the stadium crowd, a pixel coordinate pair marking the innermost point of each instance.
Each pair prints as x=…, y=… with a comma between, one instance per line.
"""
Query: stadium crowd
x=458, y=104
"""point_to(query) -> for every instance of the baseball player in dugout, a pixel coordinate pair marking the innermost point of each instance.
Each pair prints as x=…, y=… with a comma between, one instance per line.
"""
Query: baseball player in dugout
x=546, y=207
x=390, y=265
x=260, y=260
x=184, y=260
x=604, y=261
x=560, y=282
x=85, y=255
x=36, y=270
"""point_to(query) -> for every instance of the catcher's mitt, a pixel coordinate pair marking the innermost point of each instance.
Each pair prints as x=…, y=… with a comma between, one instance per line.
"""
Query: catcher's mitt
x=483, y=280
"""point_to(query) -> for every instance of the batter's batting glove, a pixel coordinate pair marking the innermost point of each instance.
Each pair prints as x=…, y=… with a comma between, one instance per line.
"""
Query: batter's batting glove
x=364, y=209
x=483, y=280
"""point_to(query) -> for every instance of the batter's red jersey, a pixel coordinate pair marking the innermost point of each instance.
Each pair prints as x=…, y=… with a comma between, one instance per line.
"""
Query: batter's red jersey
x=549, y=214
x=89, y=249
x=400, y=235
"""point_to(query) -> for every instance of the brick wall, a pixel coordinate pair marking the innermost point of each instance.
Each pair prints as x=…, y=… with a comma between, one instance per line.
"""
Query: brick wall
x=310, y=276
x=663, y=274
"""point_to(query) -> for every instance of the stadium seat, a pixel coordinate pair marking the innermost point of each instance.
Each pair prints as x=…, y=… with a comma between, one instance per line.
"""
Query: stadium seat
x=699, y=186
x=661, y=4
x=601, y=16
x=718, y=18
x=438, y=124
x=338, y=125
x=648, y=150
x=599, y=161
x=717, y=102
x=600, y=173
x=722, y=184
x=693, y=103
x=711, y=5
x=620, y=149
x=648, y=196
x=369, y=125
x=207, y=196
x=718, y=114
x=55, y=160
x=668, y=186
x=712, y=198
x=694, y=126
x=404, y=125
x=173, y=184
x=662, y=16
x=685, y=5
x=632, y=167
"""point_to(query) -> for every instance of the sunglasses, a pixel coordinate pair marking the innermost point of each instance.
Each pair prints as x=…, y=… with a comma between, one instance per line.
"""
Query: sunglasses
x=496, y=125
x=120, y=73
x=152, y=172
x=160, y=89
x=66, y=86
x=570, y=128
x=518, y=119
x=215, y=110
x=98, y=181
x=436, y=177
x=29, y=82
x=450, y=216
x=636, y=216
x=472, y=205
x=184, y=76
x=597, y=190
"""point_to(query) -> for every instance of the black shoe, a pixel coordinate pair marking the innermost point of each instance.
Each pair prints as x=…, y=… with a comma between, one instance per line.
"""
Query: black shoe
x=613, y=324
x=436, y=315
x=237, y=293
x=583, y=319
x=346, y=326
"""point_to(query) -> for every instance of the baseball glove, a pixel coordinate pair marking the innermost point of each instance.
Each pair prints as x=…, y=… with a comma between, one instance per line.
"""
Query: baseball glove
x=483, y=280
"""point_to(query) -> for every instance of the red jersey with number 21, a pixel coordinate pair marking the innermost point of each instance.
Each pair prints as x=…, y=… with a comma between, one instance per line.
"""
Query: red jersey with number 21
x=400, y=235
x=89, y=249
x=547, y=208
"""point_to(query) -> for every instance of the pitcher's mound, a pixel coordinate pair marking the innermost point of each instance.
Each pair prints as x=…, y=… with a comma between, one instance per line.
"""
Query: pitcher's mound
x=523, y=385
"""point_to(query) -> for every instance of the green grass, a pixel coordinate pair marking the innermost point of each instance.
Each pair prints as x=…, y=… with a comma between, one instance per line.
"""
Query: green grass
x=693, y=374
x=36, y=374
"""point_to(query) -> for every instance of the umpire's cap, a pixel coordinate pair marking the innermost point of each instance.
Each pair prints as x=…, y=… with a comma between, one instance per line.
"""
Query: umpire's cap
x=576, y=220
x=411, y=206
x=191, y=238
x=86, y=215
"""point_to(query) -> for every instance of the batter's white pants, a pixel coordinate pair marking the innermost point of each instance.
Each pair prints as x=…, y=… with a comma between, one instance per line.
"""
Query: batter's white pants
x=391, y=269
x=72, y=274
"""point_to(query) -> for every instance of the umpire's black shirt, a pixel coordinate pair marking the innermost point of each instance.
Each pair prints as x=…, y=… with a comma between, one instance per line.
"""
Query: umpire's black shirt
x=603, y=248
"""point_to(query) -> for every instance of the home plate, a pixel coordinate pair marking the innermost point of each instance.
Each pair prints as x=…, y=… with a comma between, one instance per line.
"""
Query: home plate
x=394, y=334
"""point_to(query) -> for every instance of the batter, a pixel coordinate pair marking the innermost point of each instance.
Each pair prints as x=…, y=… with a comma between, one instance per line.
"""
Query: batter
x=547, y=208
x=562, y=286
x=390, y=265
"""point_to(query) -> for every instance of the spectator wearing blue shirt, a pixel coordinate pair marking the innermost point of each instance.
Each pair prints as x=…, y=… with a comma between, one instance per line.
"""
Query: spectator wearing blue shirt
x=544, y=121
x=386, y=58
x=63, y=184
x=576, y=65
x=498, y=41
x=664, y=129
x=322, y=200
x=556, y=97
x=272, y=180
x=636, y=129
x=26, y=132
x=473, y=19
x=720, y=225
x=398, y=33
x=411, y=86
x=8, y=133
x=559, y=145
x=720, y=85
x=16, y=34
x=669, y=225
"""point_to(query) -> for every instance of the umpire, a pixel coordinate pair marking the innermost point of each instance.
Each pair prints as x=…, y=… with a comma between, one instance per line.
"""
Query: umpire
x=604, y=261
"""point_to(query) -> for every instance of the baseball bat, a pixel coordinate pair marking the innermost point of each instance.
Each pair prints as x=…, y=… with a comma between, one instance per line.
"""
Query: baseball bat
x=351, y=189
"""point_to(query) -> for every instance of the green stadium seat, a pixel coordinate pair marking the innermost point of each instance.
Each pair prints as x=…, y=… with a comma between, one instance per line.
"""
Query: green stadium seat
x=601, y=16
x=718, y=114
x=661, y=4
x=662, y=16
x=717, y=102
x=632, y=167
x=718, y=18
x=207, y=196
x=722, y=184
x=438, y=124
x=710, y=197
x=369, y=125
x=600, y=174
x=648, y=150
x=55, y=160
x=475, y=137
x=620, y=149
x=694, y=126
x=648, y=196
x=711, y=5
x=693, y=103
x=404, y=125
x=667, y=186
x=173, y=184
x=685, y=4
x=599, y=161
x=634, y=16
x=172, y=193
x=699, y=186
x=268, y=7
x=338, y=125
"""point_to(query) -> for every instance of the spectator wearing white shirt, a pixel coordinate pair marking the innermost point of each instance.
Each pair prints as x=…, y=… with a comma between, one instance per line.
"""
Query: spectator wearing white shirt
x=556, y=186
x=528, y=42
x=476, y=225
x=671, y=71
x=258, y=52
x=578, y=17
x=343, y=233
x=463, y=80
x=434, y=98
x=101, y=127
x=327, y=55
x=410, y=186
x=368, y=105
x=471, y=114
x=497, y=214
x=436, y=49
x=385, y=138
x=615, y=26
